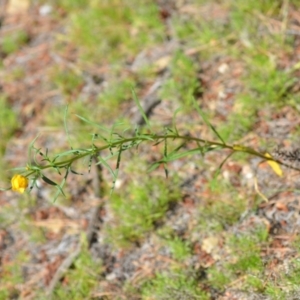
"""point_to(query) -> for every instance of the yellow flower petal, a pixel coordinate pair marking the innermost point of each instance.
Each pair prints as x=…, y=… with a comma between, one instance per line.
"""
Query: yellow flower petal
x=19, y=183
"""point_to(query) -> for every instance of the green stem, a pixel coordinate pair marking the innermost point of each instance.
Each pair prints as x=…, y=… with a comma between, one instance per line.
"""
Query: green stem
x=153, y=138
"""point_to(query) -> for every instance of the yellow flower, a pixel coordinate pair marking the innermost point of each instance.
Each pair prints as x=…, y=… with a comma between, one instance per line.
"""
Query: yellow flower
x=19, y=183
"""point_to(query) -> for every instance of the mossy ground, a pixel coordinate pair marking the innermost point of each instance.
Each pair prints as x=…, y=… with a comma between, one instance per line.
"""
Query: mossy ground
x=200, y=234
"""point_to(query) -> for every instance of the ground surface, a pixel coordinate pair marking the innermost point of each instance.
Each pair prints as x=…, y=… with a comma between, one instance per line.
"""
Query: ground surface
x=194, y=235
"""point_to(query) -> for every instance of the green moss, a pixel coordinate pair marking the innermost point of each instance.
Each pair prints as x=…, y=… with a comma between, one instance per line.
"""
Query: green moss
x=218, y=279
x=12, y=276
x=82, y=278
x=66, y=80
x=177, y=285
x=111, y=31
x=267, y=7
x=13, y=42
x=246, y=248
x=255, y=283
x=180, y=249
x=183, y=83
x=139, y=209
x=111, y=34
x=244, y=262
x=8, y=122
x=220, y=211
x=266, y=81
x=116, y=92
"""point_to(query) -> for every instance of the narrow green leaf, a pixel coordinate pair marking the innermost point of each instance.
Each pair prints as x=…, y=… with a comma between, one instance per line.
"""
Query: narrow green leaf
x=105, y=164
x=172, y=157
x=165, y=157
x=90, y=163
x=93, y=123
x=141, y=109
x=224, y=161
x=166, y=170
x=2, y=189
x=146, y=137
x=158, y=142
x=174, y=119
x=70, y=152
x=206, y=121
x=214, y=181
x=33, y=183
x=67, y=172
x=177, y=155
x=49, y=181
x=117, y=169
x=31, y=146
x=37, y=151
x=60, y=190
x=76, y=173
x=66, y=126
x=153, y=166
x=165, y=148
x=177, y=149
x=201, y=148
x=57, y=169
